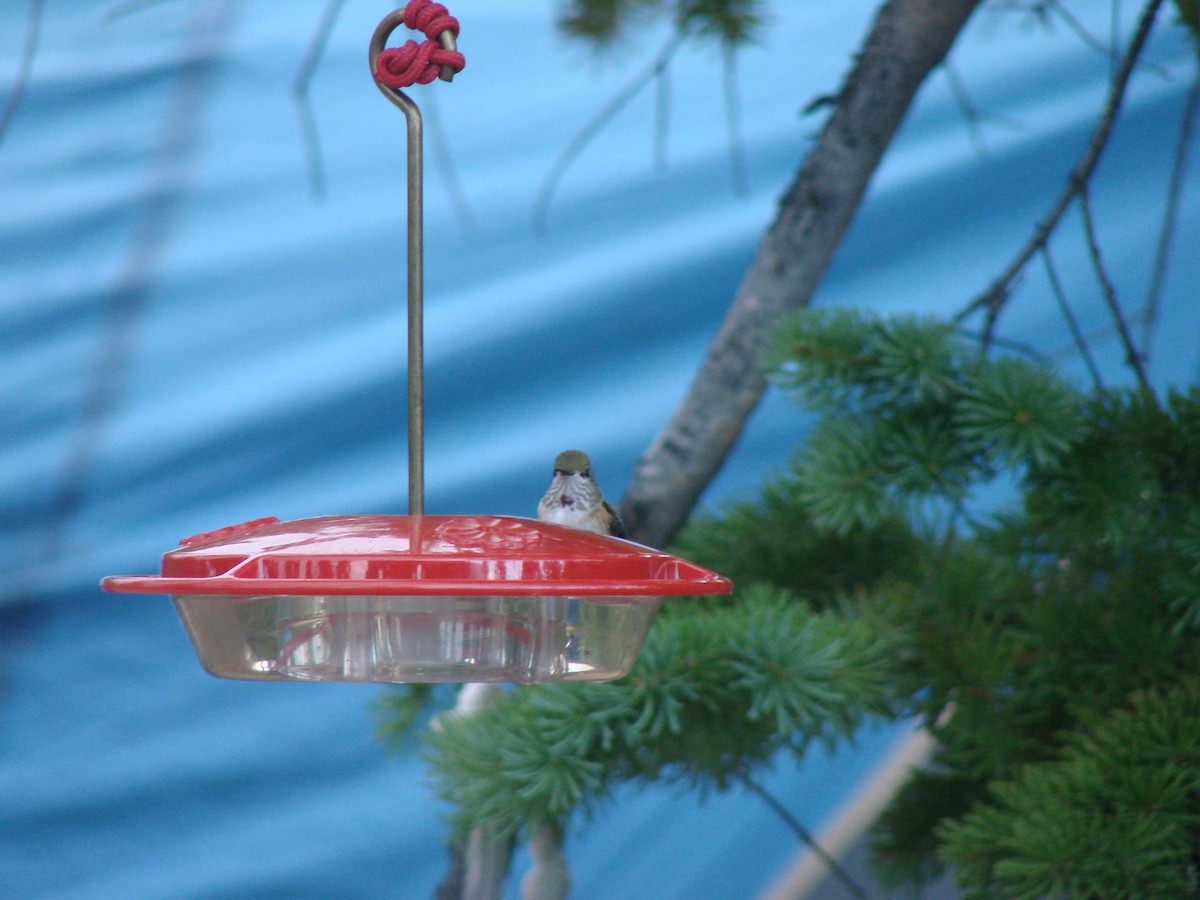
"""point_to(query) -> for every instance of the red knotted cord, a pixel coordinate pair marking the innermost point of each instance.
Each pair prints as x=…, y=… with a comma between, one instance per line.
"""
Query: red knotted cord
x=414, y=63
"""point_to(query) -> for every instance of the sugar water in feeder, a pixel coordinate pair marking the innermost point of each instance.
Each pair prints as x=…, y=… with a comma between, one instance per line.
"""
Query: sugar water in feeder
x=429, y=598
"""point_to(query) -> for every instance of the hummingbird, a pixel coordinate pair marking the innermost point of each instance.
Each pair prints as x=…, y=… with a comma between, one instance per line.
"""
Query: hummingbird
x=574, y=499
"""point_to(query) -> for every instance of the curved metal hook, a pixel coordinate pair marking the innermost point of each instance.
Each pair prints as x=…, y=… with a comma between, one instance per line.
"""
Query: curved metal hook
x=416, y=276
x=383, y=31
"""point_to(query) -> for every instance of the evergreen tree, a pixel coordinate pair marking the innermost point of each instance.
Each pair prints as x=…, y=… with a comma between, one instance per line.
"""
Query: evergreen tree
x=1049, y=643
x=1045, y=643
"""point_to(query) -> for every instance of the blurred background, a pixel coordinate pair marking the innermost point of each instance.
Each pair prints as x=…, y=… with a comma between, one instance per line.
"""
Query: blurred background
x=200, y=326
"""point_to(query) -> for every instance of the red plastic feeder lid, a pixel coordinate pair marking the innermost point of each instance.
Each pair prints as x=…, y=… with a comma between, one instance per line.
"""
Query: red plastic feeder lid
x=425, y=555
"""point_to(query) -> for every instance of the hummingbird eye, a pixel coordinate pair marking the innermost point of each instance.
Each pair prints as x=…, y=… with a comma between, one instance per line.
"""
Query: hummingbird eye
x=586, y=473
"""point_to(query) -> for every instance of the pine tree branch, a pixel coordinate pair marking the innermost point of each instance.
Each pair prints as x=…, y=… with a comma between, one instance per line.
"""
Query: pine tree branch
x=549, y=878
x=907, y=40
x=993, y=300
x=479, y=860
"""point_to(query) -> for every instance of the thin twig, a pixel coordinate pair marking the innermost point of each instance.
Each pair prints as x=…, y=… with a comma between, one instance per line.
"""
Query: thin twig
x=969, y=113
x=1080, y=29
x=128, y=6
x=1166, y=234
x=1094, y=337
x=310, y=137
x=1109, y=50
x=1042, y=9
x=593, y=127
x=1026, y=350
x=805, y=836
x=1114, y=31
x=33, y=29
x=733, y=120
x=1132, y=356
x=997, y=294
x=124, y=304
x=662, y=117
x=1072, y=323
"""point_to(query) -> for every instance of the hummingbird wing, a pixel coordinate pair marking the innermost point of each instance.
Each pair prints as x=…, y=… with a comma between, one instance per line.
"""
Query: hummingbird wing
x=615, y=526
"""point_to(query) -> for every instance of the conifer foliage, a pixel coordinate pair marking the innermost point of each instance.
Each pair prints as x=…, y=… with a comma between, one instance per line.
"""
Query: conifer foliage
x=913, y=415
x=714, y=694
x=1051, y=645
x=600, y=22
x=1049, y=641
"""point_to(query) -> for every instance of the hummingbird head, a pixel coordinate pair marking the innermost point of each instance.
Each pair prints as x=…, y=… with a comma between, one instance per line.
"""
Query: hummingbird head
x=573, y=481
x=573, y=462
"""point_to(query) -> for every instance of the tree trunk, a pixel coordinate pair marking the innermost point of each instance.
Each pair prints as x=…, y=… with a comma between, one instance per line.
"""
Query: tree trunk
x=907, y=40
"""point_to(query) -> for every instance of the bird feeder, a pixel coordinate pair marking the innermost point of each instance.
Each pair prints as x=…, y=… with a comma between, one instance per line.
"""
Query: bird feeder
x=416, y=598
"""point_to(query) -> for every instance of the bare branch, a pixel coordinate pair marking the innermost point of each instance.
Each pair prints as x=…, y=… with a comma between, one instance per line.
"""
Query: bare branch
x=907, y=40
x=1183, y=145
x=593, y=127
x=662, y=116
x=1041, y=10
x=805, y=836
x=733, y=121
x=33, y=30
x=1114, y=32
x=128, y=6
x=1026, y=350
x=124, y=302
x=310, y=137
x=969, y=113
x=1080, y=29
x=997, y=294
x=1060, y=296
x=1132, y=356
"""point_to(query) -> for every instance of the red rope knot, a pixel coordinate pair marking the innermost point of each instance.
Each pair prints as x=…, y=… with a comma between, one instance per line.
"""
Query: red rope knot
x=413, y=63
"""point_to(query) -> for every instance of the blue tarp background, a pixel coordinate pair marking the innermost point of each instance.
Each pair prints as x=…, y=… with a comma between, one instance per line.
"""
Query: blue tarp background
x=188, y=340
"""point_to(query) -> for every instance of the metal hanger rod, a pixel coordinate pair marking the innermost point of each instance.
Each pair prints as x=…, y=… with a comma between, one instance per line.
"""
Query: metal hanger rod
x=416, y=274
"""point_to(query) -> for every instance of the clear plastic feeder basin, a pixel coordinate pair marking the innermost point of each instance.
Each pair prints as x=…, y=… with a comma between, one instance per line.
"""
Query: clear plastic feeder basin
x=428, y=598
